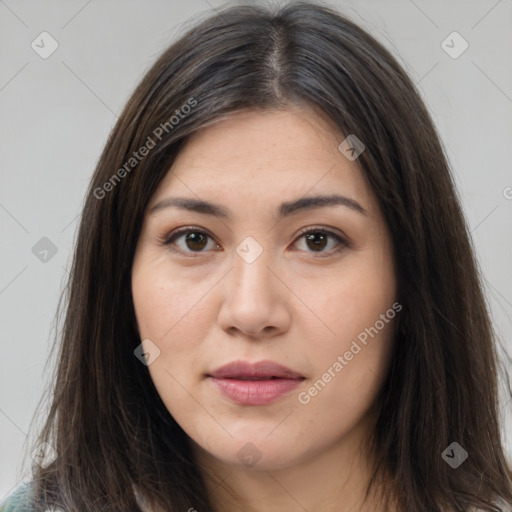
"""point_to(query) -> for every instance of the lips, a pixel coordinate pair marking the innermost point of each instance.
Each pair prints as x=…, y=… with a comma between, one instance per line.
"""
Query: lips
x=261, y=370
x=260, y=383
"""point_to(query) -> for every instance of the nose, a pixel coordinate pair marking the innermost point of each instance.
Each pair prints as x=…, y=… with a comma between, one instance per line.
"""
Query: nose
x=254, y=299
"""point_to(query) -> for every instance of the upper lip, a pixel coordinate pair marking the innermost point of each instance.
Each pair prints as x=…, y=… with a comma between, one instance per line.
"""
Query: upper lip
x=260, y=369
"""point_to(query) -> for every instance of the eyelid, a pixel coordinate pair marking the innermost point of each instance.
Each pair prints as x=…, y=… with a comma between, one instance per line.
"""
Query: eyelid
x=343, y=240
x=169, y=238
x=327, y=230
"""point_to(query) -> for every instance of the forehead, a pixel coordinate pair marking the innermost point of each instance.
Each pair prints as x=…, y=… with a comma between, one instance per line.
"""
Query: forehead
x=257, y=156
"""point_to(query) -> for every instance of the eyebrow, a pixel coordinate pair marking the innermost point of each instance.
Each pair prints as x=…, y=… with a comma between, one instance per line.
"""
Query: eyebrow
x=285, y=209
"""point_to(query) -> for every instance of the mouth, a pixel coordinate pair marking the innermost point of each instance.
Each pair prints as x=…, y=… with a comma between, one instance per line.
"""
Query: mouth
x=241, y=377
x=259, y=383
x=261, y=370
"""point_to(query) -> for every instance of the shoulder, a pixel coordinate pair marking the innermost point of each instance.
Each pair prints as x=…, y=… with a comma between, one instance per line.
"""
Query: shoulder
x=19, y=499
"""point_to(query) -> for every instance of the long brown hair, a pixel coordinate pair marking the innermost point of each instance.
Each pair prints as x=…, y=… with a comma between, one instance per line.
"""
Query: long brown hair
x=107, y=423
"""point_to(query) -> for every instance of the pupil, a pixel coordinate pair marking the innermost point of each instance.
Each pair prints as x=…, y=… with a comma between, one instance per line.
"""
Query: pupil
x=313, y=237
x=195, y=238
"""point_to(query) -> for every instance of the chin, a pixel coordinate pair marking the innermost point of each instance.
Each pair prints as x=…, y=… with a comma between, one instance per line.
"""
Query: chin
x=257, y=453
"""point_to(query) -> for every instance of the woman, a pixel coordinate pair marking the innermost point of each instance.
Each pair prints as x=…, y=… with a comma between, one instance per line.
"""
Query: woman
x=274, y=303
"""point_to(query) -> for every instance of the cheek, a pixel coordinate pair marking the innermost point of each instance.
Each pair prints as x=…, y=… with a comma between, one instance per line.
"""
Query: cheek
x=167, y=301
x=349, y=371
x=362, y=290
x=352, y=357
x=170, y=311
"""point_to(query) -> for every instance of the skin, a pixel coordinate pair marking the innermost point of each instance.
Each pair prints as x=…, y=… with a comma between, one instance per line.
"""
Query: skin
x=296, y=304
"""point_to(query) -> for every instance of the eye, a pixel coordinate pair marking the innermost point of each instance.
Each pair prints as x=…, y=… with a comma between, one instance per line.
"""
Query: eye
x=317, y=239
x=190, y=240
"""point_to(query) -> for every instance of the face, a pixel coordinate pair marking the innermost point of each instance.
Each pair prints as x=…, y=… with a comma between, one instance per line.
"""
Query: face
x=267, y=276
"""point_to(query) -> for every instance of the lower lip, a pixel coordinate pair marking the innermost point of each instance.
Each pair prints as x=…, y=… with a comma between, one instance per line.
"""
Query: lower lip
x=255, y=392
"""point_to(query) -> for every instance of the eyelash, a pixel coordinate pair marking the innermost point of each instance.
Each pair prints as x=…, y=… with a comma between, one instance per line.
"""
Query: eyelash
x=173, y=236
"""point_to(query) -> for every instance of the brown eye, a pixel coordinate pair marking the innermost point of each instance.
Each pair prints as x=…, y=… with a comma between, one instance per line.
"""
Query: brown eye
x=316, y=241
x=320, y=241
x=189, y=240
x=196, y=241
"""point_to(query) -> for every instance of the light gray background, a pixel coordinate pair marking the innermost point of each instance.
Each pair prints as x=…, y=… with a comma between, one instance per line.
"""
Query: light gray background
x=56, y=114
